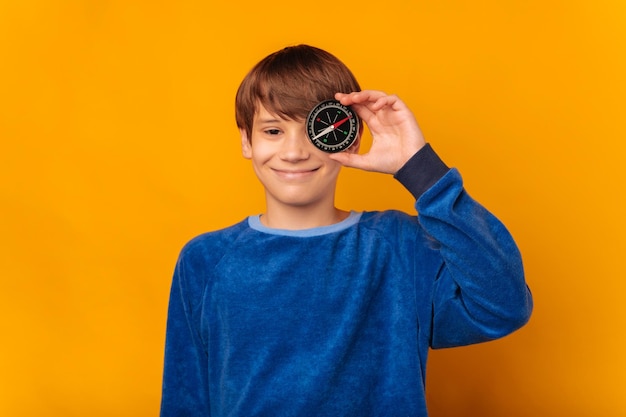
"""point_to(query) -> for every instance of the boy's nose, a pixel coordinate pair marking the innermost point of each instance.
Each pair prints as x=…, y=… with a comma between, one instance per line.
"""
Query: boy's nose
x=295, y=147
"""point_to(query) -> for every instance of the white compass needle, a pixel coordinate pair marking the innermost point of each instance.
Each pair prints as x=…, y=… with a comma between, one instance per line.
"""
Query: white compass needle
x=324, y=132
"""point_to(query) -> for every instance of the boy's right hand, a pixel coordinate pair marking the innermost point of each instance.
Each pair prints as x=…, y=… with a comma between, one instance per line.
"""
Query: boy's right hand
x=396, y=135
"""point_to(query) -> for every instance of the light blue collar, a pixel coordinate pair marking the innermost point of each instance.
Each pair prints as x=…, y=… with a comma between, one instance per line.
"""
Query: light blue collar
x=255, y=223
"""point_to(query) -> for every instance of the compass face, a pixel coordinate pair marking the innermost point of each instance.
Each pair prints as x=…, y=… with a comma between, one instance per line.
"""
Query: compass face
x=332, y=127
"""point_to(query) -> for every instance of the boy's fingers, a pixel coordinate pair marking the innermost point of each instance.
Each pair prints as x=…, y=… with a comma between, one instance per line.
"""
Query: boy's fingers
x=359, y=96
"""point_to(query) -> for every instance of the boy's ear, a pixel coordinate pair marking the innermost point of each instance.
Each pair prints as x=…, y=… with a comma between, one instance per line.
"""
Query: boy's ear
x=246, y=148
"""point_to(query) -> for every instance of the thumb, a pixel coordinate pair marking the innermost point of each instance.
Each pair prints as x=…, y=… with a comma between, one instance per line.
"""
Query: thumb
x=351, y=160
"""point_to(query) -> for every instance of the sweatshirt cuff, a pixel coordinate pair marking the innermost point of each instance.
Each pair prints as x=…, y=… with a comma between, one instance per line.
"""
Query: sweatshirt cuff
x=422, y=171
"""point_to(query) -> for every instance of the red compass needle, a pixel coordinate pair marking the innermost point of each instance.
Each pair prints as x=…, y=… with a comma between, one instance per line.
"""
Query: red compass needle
x=340, y=122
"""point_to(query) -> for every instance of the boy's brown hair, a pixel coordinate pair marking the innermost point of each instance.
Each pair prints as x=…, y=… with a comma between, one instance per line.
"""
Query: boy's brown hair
x=290, y=82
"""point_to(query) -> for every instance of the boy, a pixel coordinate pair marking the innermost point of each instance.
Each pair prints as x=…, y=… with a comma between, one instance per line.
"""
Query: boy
x=309, y=310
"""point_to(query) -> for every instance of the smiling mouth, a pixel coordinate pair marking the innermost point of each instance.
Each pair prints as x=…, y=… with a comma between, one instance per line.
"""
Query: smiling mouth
x=295, y=174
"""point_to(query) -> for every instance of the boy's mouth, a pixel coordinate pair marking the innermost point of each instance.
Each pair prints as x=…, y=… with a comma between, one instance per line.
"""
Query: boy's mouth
x=295, y=173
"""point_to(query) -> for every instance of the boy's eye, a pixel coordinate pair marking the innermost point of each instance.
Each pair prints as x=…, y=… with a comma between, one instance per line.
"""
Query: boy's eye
x=272, y=131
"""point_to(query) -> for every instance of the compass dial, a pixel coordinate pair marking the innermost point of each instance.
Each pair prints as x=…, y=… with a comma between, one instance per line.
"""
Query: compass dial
x=332, y=127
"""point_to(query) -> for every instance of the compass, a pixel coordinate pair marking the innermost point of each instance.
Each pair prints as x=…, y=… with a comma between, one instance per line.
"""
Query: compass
x=332, y=127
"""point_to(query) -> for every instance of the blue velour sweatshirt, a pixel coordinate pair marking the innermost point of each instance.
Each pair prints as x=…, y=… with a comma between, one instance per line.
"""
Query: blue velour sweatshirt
x=338, y=320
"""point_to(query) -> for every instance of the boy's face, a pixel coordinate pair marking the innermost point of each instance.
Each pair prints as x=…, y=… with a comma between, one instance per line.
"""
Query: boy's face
x=292, y=170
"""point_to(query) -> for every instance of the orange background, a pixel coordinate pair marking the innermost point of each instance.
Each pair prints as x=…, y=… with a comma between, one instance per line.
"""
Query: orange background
x=118, y=144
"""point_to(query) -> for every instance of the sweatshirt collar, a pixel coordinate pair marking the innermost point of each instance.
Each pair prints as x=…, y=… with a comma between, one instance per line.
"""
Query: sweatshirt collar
x=255, y=223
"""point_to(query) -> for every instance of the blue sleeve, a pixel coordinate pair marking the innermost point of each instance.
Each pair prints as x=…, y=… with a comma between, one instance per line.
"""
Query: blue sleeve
x=185, y=376
x=480, y=293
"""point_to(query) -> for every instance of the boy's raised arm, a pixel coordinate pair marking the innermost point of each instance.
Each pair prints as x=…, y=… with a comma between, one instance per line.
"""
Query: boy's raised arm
x=480, y=293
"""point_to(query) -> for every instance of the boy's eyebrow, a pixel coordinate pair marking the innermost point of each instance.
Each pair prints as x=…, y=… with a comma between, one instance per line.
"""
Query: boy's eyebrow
x=269, y=120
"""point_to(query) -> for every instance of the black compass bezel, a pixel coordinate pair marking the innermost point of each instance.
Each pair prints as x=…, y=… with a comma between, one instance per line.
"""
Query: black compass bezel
x=348, y=132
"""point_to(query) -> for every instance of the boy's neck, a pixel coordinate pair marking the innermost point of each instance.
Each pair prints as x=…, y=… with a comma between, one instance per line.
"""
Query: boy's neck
x=299, y=218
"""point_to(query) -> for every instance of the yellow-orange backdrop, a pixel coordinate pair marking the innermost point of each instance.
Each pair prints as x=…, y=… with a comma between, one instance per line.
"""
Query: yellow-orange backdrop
x=118, y=144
